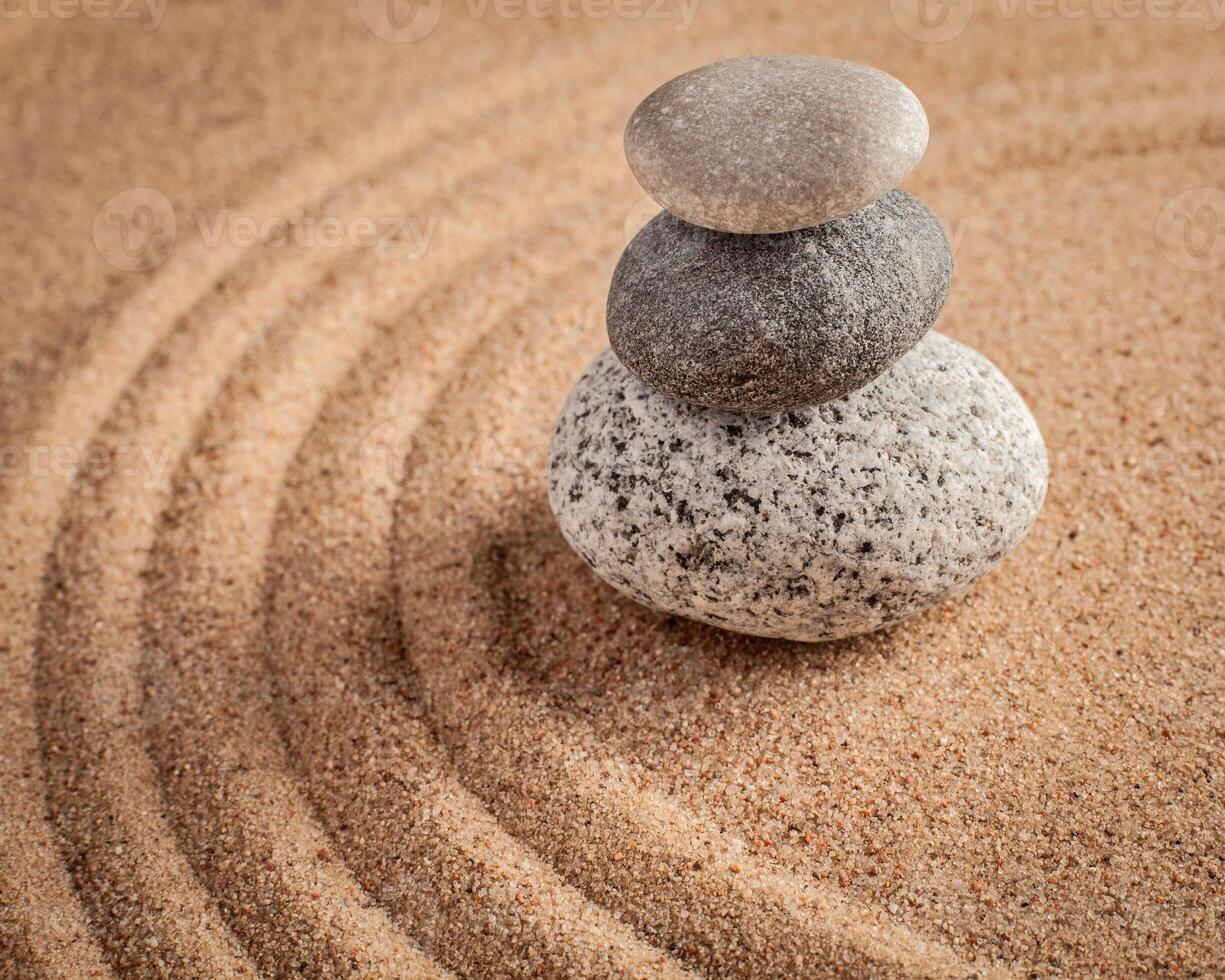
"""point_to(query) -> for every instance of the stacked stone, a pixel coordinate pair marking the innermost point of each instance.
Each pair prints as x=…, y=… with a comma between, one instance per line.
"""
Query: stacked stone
x=775, y=444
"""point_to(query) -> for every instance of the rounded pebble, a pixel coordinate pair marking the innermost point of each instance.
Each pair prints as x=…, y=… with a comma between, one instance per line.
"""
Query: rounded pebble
x=808, y=525
x=774, y=143
x=761, y=323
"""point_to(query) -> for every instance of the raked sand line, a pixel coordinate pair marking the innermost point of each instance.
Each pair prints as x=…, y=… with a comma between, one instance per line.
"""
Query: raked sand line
x=94, y=378
x=195, y=362
x=448, y=844
x=750, y=772
x=672, y=873
x=105, y=803
x=29, y=502
x=91, y=636
x=219, y=757
x=1128, y=848
x=151, y=308
x=237, y=774
x=316, y=348
x=536, y=784
x=95, y=622
x=190, y=368
x=1043, y=139
x=709, y=897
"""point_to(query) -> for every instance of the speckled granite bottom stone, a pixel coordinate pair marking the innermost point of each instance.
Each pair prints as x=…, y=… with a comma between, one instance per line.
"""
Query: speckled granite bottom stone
x=809, y=525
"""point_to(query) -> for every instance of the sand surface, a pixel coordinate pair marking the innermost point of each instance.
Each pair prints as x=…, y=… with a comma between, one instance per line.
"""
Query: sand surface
x=296, y=673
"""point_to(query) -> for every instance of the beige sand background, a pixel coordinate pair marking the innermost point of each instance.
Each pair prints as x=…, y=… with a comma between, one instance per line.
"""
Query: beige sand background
x=296, y=674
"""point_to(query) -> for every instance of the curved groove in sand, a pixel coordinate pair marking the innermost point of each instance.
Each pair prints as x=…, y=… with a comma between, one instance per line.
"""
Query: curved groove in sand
x=95, y=611
x=445, y=843
x=305, y=350
x=91, y=539
x=273, y=296
x=73, y=412
x=294, y=718
x=535, y=783
x=274, y=854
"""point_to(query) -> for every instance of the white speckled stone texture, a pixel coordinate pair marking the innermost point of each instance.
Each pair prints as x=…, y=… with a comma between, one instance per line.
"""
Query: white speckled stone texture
x=774, y=143
x=808, y=525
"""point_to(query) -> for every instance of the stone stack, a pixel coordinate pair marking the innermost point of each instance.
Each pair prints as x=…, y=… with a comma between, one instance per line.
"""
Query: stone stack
x=775, y=444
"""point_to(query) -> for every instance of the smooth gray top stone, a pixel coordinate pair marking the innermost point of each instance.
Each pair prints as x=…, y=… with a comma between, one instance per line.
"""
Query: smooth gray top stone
x=774, y=142
x=810, y=525
x=762, y=323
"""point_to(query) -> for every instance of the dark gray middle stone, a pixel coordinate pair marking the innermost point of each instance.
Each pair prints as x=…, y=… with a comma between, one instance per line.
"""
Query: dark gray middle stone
x=768, y=323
